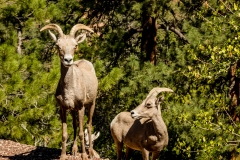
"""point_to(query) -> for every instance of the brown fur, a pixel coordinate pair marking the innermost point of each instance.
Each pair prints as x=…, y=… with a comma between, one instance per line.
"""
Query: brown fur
x=77, y=87
x=141, y=129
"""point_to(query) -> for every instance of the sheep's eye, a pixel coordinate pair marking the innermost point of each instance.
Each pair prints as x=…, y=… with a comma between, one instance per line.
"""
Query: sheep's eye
x=76, y=47
x=148, y=105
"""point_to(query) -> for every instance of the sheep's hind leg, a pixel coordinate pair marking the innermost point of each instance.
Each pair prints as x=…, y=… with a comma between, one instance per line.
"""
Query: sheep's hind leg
x=128, y=153
x=155, y=155
x=64, y=133
x=74, y=122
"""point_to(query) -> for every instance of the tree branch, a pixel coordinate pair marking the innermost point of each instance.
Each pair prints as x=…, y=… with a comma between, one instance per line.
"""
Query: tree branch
x=19, y=49
x=174, y=30
x=132, y=31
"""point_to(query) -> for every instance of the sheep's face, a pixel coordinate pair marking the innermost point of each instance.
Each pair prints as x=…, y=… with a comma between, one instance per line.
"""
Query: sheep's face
x=66, y=47
x=94, y=136
x=148, y=108
x=67, y=44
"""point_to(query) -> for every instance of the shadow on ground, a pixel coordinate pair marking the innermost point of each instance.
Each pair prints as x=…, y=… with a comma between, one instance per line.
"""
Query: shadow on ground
x=40, y=153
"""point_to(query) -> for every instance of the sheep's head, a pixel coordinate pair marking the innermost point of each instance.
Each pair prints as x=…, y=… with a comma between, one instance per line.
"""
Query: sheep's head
x=94, y=136
x=151, y=105
x=67, y=44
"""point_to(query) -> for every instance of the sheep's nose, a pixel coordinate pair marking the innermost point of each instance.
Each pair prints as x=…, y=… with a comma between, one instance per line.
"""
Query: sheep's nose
x=132, y=112
x=68, y=60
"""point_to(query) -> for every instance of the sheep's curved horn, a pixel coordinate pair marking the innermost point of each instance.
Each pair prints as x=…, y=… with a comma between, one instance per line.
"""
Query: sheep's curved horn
x=54, y=27
x=77, y=27
x=155, y=91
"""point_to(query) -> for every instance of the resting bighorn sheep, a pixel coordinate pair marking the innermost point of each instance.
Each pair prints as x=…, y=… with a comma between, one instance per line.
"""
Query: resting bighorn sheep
x=94, y=136
x=77, y=87
x=141, y=129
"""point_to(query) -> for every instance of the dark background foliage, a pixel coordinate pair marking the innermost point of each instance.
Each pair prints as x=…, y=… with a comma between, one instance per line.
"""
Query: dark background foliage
x=191, y=47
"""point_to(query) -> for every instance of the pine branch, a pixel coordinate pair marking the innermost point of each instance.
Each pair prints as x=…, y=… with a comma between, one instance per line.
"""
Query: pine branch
x=132, y=31
x=174, y=30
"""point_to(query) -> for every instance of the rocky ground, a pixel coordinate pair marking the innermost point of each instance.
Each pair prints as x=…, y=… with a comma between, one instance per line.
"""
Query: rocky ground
x=10, y=150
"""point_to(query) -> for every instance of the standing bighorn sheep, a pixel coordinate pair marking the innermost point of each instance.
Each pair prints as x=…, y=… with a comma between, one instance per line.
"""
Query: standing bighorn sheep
x=141, y=129
x=77, y=87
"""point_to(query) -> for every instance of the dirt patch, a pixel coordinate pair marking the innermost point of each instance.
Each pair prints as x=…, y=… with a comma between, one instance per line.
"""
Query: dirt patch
x=10, y=150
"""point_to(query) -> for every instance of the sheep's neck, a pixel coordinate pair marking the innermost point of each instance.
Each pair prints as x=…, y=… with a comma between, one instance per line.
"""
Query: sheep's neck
x=159, y=127
x=66, y=71
x=67, y=76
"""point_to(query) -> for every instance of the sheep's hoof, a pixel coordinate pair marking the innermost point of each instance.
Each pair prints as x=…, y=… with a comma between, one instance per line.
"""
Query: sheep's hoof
x=84, y=156
x=74, y=150
x=63, y=157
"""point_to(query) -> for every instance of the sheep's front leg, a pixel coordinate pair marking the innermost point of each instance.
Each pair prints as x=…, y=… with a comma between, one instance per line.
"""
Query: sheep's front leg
x=89, y=128
x=81, y=133
x=119, y=147
x=74, y=122
x=145, y=154
x=64, y=132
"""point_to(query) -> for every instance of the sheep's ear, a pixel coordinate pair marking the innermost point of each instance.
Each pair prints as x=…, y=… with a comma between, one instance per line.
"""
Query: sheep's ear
x=52, y=36
x=158, y=102
x=85, y=132
x=80, y=38
x=160, y=99
x=97, y=135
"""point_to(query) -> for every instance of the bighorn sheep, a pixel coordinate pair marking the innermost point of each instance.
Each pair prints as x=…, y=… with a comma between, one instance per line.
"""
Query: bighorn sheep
x=77, y=87
x=94, y=136
x=141, y=129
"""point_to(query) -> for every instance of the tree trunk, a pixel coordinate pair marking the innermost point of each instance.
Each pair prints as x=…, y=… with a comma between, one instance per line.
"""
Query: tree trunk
x=149, y=33
x=19, y=49
x=234, y=91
